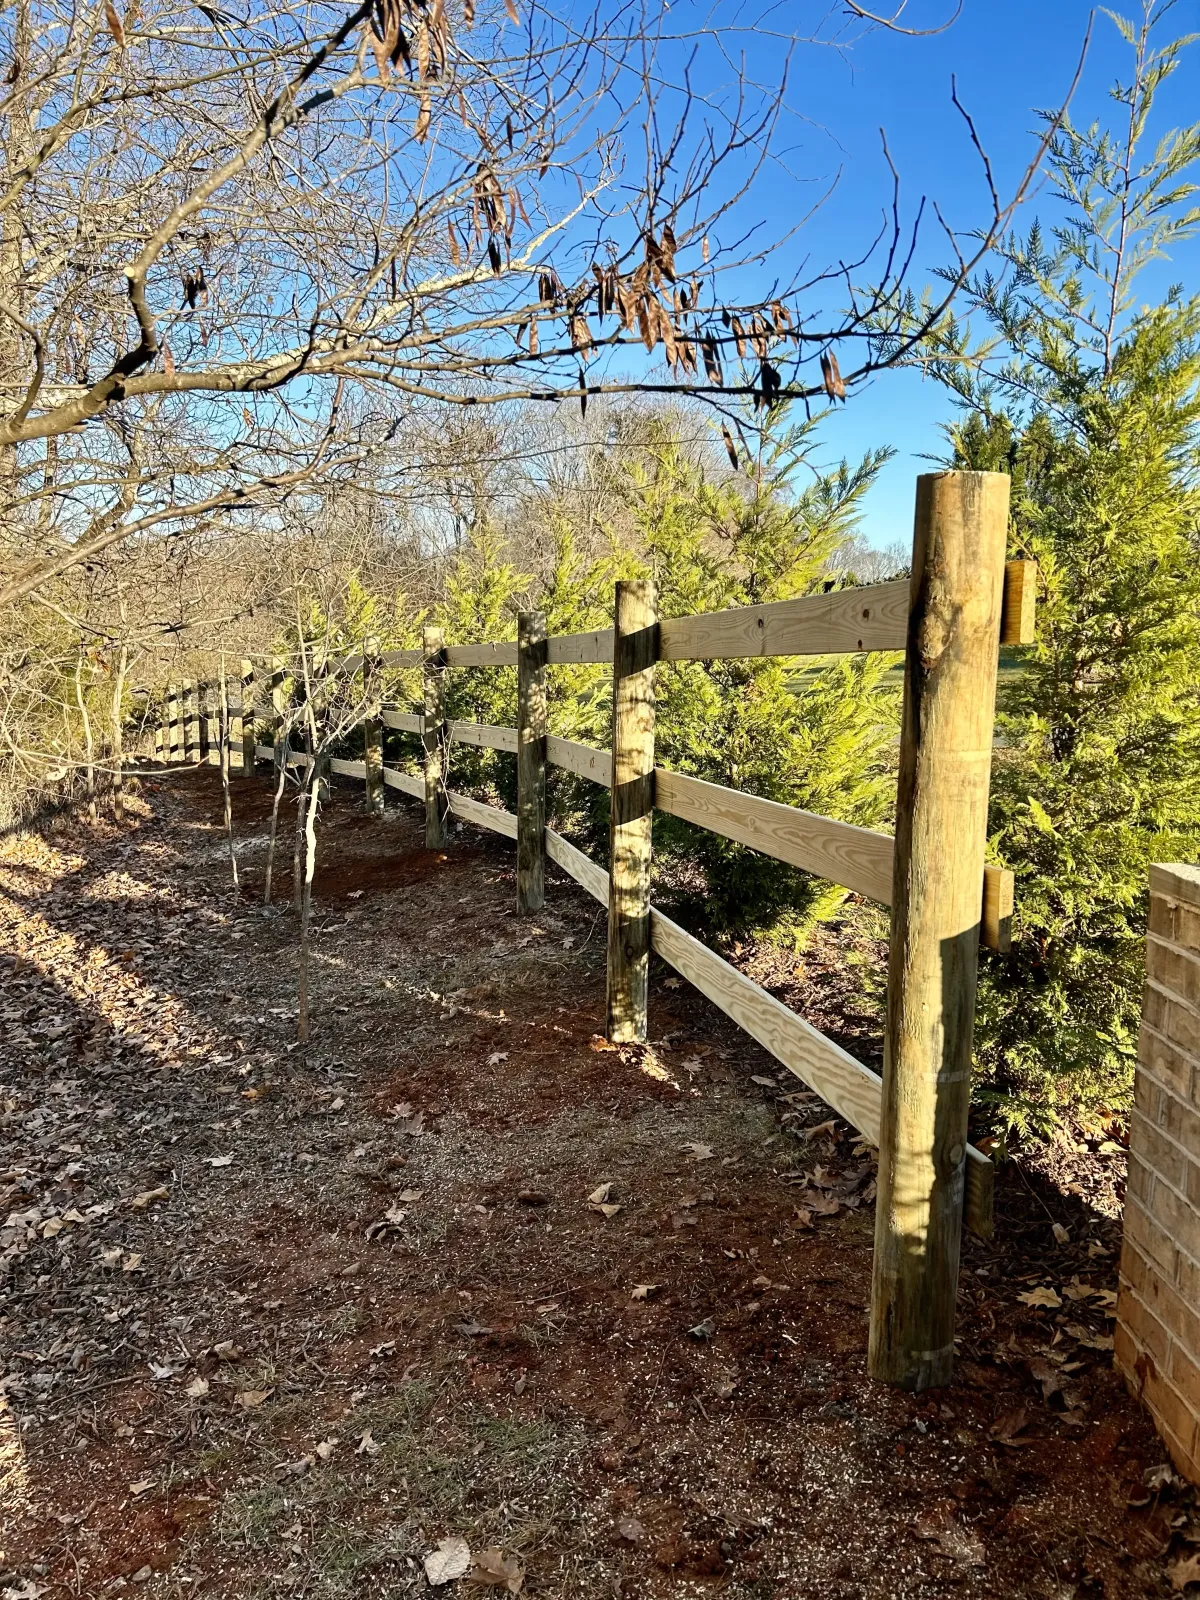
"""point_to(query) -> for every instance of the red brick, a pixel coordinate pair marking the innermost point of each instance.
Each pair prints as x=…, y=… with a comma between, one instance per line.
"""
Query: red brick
x=1149, y=1235
x=1139, y=1181
x=1163, y=1299
x=1186, y=920
x=1175, y=882
x=1174, y=970
x=1180, y=1121
x=1178, y=1218
x=1187, y=1280
x=1162, y=917
x=1149, y=1332
x=1150, y=1098
x=1184, y=1372
x=1162, y=1155
x=1126, y=1352
x=1160, y=1056
x=1172, y=1412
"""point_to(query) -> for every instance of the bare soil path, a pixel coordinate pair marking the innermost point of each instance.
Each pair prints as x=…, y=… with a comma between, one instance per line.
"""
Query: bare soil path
x=279, y=1322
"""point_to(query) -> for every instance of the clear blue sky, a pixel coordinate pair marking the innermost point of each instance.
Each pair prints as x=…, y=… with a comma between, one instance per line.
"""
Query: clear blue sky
x=1010, y=57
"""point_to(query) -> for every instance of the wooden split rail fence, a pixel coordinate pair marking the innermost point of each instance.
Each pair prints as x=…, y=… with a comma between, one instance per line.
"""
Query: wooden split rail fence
x=962, y=602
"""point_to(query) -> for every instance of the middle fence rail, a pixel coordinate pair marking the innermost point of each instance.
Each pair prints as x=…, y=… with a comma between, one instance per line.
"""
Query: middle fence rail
x=962, y=602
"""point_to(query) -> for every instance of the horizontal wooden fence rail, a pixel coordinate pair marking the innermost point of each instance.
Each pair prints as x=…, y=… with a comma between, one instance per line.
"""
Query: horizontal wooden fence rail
x=851, y=1088
x=945, y=900
x=849, y=621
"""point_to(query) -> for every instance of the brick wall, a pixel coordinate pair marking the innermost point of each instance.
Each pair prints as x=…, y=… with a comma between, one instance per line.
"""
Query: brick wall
x=1158, y=1312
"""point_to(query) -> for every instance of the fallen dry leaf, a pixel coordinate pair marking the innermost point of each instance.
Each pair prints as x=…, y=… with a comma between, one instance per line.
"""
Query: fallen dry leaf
x=1184, y=1572
x=1008, y=1428
x=197, y=1389
x=141, y=1201
x=367, y=1445
x=600, y=1195
x=1041, y=1296
x=643, y=1291
x=251, y=1399
x=498, y=1571
x=698, y=1151
x=450, y=1560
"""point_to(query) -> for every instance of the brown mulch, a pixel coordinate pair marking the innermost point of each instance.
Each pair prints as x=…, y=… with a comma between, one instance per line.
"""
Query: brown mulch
x=279, y=1320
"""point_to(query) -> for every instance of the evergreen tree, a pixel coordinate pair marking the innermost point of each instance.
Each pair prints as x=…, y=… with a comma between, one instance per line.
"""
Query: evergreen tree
x=484, y=593
x=815, y=734
x=1092, y=402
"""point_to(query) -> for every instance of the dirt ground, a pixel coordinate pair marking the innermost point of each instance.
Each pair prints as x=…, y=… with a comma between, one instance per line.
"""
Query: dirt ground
x=283, y=1321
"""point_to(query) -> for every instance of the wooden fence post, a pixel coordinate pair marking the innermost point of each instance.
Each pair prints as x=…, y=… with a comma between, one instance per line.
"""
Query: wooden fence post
x=372, y=727
x=277, y=710
x=245, y=721
x=941, y=830
x=191, y=722
x=174, y=724
x=210, y=727
x=433, y=644
x=531, y=761
x=635, y=650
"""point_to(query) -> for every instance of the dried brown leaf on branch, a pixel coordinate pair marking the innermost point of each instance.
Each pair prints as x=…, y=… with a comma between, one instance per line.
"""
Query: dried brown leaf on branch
x=831, y=377
x=115, y=26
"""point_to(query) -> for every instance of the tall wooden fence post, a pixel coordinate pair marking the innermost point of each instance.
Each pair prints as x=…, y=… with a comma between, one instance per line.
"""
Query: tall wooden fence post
x=211, y=723
x=191, y=722
x=941, y=830
x=531, y=761
x=635, y=650
x=372, y=727
x=174, y=724
x=276, y=711
x=433, y=738
x=245, y=723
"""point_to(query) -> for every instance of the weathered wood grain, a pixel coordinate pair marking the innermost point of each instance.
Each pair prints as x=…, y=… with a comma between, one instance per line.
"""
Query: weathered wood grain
x=497, y=653
x=531, y=761
x=870, y=617
x=433, y=736
x=631, y=813
x=999, y=898
x=372, y=727
x=1018, y=620
x=583, y=759
x=485, y=735
x=276, y=703
x=856, y=858
x=401, y=658
x=403, y=721
x=483, y=816
x=945, y=763
x=581, y=649
x=406, y=782
x=343, y=769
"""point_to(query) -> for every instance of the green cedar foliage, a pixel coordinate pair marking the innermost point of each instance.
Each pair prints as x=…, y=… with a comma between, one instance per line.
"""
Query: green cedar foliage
x=484, y=593
x=1093, y=405
x=811, y=733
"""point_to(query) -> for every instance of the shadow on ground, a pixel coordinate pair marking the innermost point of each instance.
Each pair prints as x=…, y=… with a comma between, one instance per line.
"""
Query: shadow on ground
x=280, y=1321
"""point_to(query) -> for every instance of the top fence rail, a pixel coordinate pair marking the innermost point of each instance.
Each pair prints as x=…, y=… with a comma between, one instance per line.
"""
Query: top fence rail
x=863, y=618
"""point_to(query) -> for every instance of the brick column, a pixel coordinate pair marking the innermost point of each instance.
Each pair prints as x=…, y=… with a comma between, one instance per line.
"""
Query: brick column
x=1158, y=1312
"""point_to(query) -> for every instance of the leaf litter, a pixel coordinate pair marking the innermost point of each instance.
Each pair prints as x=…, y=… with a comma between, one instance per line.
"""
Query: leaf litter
x=218, y=1346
